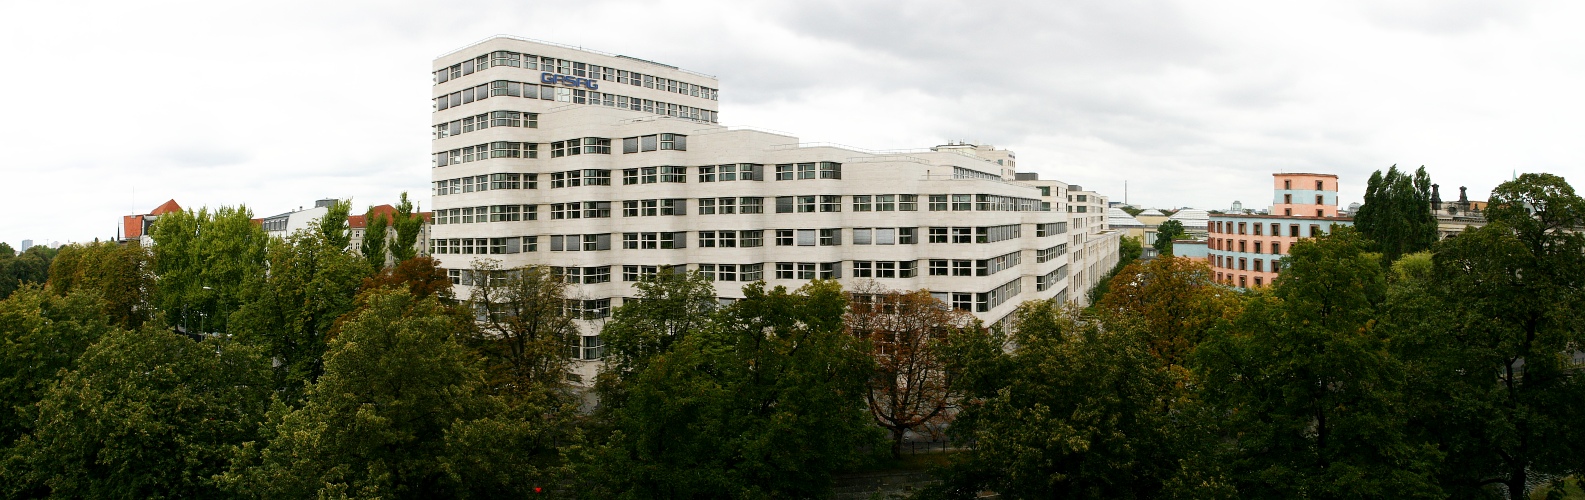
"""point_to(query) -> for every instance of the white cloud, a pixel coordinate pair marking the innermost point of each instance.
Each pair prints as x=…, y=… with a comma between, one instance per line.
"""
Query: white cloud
x=115, y=107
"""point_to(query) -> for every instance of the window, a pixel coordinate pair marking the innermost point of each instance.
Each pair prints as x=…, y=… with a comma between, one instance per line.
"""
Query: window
x=938, y=202
x=938, y=267
x=806, y=237
x=830, y=203
x=707, y=206
x=962, y=267
x=908, y=202
x=1319, y=200
x=1287, y=199
x=707, y=174
x=751, y=205
x=830, y=170
x=938, y=235
x=751, y=239
x=718, y=239
x=962, y=202
x=862, y=203
x=673, y=174
x=806, y=171
x=784, y=204
x=1318, y=186
x=784, y=237
x=784, y=172
x=962, y=235
x=830, y=237
x=806, y=204
x=677, y=142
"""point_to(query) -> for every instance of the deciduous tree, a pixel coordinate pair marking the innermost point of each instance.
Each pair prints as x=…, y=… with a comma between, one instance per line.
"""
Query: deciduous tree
x=204, y=262
x=765, y=400
x=122, y=276
x=1175, y=299
x=333, y=225
x=143, y=414
x=41, y=334
x=400, y=412
x=1500, y=344
x=915, y=387
x=374, y=239
x=1314, y=406
x=291, y=311
x=1080, y=409
x=1165, y=233
x=408, y=223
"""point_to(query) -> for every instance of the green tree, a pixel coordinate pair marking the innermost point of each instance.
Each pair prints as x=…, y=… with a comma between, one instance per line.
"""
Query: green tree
x=121, y=274
x=144, y=414
x=1165, y=233
x=1497, y=345
x=291, y=311
x=1314, y=406
x=374, y=236
x=41, y=334
x=333, y=225
x=525, y=330
x=400, y=412
x=1176, y=301
x=204, y=263
x=408, y=223
x=6, y=251
x=31, y=266
x=765, y=401
x=668, y=307
x=1081, y=409
x=1129, y=250
x=1397, y=212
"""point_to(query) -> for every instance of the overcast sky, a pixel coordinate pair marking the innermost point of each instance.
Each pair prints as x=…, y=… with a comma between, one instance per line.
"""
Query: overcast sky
x=115, y=107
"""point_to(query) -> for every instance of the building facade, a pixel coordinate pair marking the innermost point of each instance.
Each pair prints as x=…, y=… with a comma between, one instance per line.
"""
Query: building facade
x=609, y=168
x=1246, y=250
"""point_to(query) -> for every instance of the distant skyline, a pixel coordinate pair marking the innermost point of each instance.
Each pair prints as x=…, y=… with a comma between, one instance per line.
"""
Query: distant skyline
x=116, y=107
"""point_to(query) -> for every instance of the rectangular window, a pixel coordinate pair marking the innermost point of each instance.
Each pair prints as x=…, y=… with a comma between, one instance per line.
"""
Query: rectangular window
x=784, y=172
x=784, y=204
x=806, y=171
x=751, y=205
x=938, y=202
x=707, y=174
x=885, y=203
x=962, y=202
x=806, y=204
x=830, y=237
x=830, y=203
x=862, y=203
x=806, y=237
x=938, y=235
x=830, y=170
x=907, y=202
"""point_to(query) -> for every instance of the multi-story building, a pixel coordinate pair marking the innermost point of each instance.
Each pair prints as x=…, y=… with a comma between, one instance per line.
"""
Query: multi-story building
x=1246, y=249
x=609, y=168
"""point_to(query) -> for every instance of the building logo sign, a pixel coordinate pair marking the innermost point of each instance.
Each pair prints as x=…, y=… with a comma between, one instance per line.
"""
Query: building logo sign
x=570, y=81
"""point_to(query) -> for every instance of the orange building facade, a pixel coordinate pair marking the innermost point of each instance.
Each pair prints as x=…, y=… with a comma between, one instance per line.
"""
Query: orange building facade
x=1246, y=250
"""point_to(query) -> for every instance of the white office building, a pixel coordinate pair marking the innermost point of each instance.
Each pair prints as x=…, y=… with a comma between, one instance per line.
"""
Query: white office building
x=608, y=168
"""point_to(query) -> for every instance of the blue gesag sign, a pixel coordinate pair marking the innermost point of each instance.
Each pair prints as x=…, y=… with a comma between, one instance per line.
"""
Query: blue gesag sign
x=570, y=81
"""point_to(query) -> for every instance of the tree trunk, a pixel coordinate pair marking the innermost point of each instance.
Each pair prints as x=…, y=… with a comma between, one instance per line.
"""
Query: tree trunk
x=897, y=442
